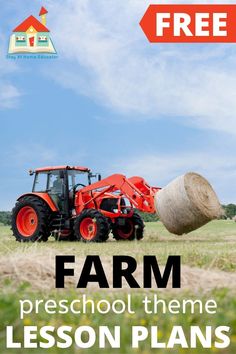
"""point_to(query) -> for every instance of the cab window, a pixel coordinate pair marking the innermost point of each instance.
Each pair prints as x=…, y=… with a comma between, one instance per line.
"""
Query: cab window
x=55, y=183
x=77, y=177
x=40, y=184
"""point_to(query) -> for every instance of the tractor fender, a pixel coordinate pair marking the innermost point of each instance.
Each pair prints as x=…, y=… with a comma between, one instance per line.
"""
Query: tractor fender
x=45, y=197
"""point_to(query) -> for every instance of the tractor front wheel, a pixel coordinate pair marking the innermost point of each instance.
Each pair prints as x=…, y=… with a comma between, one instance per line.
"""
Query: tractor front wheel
x=30, y=220
x=91, y=226
x=133, y=228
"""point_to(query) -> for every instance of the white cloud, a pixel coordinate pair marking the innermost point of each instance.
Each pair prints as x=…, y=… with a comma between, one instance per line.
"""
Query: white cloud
x=160, y=170
x=30, y=155
x=107, y=57
x=9, y=93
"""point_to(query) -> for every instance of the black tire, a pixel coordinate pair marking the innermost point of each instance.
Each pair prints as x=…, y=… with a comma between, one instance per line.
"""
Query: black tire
x=41, y=209
x=100, y=233
x=131, y=230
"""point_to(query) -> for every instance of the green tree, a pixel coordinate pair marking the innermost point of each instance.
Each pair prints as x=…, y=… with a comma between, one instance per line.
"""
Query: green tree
x=230, y=210
x=5, y=217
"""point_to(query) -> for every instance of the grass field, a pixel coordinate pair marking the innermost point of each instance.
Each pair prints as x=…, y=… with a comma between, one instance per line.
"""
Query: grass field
x=212, y=246
x=208, y=258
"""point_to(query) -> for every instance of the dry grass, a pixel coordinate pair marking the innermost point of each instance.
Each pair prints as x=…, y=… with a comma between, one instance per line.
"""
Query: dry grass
x=39, y=268
x=208, y=256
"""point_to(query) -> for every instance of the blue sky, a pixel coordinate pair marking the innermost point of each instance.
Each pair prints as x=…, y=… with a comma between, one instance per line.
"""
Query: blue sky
x=114, y=102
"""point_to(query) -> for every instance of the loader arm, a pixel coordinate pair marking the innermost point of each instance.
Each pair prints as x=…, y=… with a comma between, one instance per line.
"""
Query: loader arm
x=139, y=193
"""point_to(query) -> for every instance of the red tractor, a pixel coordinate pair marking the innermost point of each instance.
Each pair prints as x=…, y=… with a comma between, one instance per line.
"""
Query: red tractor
x=66, y=204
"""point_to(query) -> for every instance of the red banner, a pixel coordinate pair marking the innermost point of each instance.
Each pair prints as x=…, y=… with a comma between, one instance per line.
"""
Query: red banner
x=190, y=23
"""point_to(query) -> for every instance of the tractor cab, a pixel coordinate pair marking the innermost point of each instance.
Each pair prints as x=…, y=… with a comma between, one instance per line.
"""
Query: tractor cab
x=61, y=183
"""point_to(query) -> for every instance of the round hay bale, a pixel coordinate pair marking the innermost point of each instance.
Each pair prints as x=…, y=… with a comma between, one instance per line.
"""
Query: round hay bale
x=187, y=203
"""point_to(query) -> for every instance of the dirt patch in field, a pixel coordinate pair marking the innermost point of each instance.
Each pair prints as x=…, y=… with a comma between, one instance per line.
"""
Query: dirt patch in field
x=38, y=268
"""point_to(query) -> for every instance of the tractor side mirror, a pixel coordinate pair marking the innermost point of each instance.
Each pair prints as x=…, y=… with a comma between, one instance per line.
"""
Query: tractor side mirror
x=96, y=175
x=61, y=174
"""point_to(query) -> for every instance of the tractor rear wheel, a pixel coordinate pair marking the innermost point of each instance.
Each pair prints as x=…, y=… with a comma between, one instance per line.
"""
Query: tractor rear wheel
x=30, y=220
x=132, y=229
x=91, y=226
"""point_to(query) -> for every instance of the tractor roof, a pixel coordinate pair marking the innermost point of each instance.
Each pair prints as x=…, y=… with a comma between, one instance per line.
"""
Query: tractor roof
x=53, y=168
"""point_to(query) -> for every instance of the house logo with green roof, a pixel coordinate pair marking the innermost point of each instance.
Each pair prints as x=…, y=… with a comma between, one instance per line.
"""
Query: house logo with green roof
x=32, y=36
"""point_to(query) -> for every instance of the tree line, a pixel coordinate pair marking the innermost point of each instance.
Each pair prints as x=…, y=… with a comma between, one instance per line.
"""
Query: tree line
x=5, y=217
x=230, y=212
x=229, y=209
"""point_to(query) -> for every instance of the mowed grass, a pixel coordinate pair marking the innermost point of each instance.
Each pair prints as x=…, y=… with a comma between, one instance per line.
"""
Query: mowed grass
x=211, y=247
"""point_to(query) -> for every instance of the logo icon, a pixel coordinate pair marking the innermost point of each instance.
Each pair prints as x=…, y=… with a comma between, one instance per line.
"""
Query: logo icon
x=32, y=36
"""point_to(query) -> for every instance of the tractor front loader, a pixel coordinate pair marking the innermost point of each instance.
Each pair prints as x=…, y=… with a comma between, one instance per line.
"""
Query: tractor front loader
x=66, y=204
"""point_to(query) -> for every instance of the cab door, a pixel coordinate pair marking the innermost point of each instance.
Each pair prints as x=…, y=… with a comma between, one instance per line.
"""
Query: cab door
x=56, y=188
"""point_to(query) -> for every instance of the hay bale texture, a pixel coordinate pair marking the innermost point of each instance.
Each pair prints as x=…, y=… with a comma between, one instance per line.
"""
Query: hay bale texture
x=187, y=203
